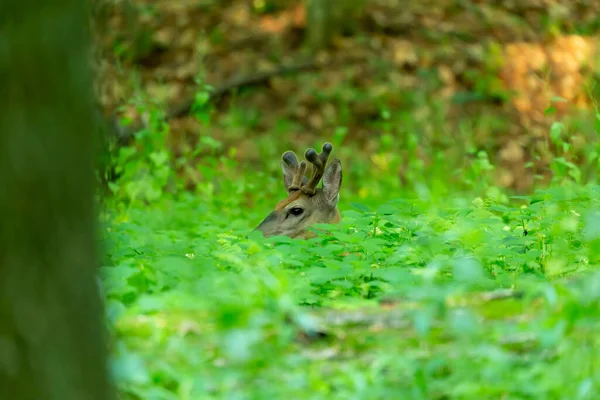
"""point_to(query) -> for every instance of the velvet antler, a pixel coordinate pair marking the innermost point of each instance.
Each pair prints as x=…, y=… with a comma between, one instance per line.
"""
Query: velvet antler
x=299, y=181
x=299, y=169
x=319, y=161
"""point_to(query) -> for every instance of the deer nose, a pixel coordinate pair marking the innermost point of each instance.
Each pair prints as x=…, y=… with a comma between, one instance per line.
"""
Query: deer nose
x=265, y=222
x=270, y=217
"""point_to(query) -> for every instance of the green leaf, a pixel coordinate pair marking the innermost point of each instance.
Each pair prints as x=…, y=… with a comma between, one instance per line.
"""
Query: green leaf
x=556, y=131
x=467, y=270
x=386, y=209
x=130, y=368
x=359, y=207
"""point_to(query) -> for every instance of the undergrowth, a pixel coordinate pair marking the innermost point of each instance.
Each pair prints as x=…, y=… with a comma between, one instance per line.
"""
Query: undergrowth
x=419, y=293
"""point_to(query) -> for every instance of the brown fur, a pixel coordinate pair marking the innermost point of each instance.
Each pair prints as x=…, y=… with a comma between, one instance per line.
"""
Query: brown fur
x=278, y=222
x=318, y=207
x=285, y=202
x=337, y=218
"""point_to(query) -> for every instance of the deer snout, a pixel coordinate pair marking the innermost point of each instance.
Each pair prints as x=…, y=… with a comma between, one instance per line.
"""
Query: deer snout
x=268, y=225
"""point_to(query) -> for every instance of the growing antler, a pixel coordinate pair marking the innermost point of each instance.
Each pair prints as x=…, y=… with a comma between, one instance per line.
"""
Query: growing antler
x=319, y=161
x=305, y=205
x=289, y=157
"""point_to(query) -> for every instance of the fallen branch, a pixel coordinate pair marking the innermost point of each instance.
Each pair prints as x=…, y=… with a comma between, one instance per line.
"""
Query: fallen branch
x=125, y=133
x=501, y=294
x=244, y=81
x=494, y=295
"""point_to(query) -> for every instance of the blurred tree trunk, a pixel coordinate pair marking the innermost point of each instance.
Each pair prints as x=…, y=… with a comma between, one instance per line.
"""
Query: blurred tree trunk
x=328, y=18
x=52, y=339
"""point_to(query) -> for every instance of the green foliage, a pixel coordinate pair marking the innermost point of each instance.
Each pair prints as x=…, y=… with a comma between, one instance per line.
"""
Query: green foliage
x=144, y=169
x=495, y=296
x=202, y=307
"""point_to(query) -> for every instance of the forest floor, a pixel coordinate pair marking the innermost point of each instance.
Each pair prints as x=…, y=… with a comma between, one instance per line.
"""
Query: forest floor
x=456, y=77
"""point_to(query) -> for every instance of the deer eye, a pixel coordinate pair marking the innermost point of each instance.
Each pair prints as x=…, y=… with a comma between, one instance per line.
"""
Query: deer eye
x=296, y=211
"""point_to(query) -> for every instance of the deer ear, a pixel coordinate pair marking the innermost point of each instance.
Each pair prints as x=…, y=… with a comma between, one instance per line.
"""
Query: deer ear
x=332, y=182
x=288, y=175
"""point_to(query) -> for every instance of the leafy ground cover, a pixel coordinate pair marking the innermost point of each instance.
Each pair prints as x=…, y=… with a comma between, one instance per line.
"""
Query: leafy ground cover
x=438, y=284
x=420, y=293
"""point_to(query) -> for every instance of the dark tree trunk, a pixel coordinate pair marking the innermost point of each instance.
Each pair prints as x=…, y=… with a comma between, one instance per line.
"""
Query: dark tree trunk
x=52, y=339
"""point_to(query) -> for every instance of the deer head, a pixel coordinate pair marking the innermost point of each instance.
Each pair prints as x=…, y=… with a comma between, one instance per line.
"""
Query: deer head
x=305, y=204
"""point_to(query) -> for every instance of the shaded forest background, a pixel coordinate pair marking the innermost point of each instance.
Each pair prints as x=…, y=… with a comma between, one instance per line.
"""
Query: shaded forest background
x=443, y=81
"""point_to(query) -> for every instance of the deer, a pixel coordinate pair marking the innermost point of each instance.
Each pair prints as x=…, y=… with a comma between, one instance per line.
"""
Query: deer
x=306, y=204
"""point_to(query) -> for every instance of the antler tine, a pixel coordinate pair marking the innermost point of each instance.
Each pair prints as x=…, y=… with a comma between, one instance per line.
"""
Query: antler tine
x=289, y=157
x=298, y=177
x=319, y=161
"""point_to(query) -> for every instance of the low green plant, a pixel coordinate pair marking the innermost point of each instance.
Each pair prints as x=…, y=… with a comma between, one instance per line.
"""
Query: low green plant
x=199, y=310
x=433, y=292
